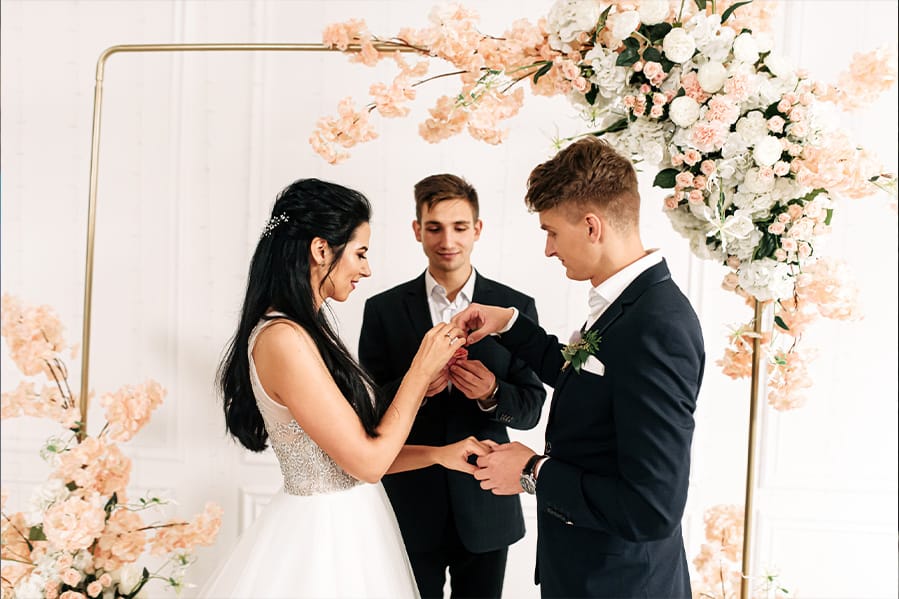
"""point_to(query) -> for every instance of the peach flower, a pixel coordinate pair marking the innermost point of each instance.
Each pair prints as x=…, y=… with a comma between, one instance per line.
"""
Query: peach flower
x=129, y=408
x=73, y=524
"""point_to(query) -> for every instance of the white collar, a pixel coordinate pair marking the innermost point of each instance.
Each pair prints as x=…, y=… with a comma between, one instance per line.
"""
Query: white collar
x=467, y=289
x=612, y=288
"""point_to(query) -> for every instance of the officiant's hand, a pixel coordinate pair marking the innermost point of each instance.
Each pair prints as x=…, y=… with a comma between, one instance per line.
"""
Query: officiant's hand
x=438, y=384
x=500, y=470
x=472, y=378
x=479, y=321
x=456, y=455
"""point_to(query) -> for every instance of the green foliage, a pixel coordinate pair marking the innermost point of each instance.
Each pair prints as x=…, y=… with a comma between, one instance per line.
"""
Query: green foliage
x=665, y=178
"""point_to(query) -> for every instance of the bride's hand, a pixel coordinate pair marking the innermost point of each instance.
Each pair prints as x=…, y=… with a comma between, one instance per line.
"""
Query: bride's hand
x=437, y=347
x=455, y=456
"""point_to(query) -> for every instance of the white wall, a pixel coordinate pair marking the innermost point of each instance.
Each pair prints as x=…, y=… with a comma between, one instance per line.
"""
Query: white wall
x=194, y=149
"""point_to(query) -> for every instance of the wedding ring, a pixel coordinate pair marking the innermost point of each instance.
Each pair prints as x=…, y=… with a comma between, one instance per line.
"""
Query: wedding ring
x=447, y=335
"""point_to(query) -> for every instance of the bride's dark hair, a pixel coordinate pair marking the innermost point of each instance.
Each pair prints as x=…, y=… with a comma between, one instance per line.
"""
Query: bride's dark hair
x=279, y=279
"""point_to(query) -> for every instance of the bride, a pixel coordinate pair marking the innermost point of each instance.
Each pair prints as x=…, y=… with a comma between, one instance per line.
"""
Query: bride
x=288, y=379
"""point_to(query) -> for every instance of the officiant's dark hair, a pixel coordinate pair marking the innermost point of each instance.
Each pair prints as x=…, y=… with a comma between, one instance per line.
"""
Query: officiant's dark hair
x=279, y=279
x=438, y=188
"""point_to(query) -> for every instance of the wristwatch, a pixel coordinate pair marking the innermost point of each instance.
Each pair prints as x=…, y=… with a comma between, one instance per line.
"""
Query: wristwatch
x=527, y=480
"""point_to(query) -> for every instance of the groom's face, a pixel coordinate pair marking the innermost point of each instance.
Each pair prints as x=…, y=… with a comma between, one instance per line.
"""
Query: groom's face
x=567, y=240
x=447, y=232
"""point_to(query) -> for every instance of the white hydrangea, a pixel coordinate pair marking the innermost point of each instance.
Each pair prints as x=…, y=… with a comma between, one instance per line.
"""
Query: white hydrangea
x=703, y=28
x=568, y=18
x=753, y=182
x=735, y=145
x=31, y=587
x=644, y=137
x=744, y=248
x=766, y=279
x=43, y=496
x=606, y=76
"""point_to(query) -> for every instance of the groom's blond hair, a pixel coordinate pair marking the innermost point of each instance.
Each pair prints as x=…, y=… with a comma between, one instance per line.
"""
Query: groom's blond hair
x=588, y=173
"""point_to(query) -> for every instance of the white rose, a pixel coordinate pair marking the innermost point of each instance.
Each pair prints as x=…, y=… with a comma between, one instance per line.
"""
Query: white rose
x=734, y=146
x=128, y=577
x=738, y=225
x=712, y=76
x=623, y=24
x=779, y=66
x=746, y=49
x=678, y=45
x=653, y=12
x=767, y=151
x=718, y=48
x=684, y=111
x=752, y=126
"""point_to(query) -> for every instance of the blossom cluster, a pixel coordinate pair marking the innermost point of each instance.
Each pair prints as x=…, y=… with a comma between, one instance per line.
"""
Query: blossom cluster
x=719, y=562
x=748, y=146
x=80, y=536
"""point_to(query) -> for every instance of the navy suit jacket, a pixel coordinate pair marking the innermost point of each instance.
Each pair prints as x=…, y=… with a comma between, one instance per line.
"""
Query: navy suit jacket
x=427, y=500
x=611, y=497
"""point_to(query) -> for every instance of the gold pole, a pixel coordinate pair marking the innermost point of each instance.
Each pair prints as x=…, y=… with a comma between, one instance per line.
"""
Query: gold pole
x=746, y=582
x=95, y=167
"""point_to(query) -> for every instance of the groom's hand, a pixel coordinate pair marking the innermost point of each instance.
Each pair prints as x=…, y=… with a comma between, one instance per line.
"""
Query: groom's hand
x=500, y=470
x=479, y=321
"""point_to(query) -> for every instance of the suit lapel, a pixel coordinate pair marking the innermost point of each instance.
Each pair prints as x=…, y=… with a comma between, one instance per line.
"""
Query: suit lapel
x=654, y=274
x=416, y=305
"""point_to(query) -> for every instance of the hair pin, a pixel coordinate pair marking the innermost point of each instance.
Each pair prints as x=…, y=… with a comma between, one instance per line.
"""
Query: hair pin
x=273, y=222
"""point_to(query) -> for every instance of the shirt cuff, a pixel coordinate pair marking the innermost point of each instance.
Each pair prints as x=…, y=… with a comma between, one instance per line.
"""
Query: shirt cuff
x=538, y=465
x=511, y=322
x=487, y=405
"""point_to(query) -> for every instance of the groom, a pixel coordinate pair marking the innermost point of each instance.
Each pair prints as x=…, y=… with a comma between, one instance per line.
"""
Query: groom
x=612, y=482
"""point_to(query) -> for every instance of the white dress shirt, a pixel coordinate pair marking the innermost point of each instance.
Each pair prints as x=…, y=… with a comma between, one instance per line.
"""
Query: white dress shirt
x=442, y=309
x=601, y=296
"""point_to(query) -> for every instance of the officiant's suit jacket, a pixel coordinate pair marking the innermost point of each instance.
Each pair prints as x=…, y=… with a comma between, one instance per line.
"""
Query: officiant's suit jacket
x=426, y=501
x=611, y=497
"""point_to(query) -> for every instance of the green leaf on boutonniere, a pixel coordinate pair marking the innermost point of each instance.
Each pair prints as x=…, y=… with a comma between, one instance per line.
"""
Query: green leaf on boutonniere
x=577, y=353
x=700, y=4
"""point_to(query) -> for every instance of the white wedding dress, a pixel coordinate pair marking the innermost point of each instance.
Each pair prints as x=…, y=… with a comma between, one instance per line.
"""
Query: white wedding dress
x=324, y=535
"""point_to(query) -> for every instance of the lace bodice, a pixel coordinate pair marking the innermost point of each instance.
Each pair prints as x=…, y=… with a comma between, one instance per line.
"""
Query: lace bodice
x=306, y=468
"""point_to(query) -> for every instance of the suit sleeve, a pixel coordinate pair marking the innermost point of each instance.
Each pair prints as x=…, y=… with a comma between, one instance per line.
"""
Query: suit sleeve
x=372, y=356
x=521, y=394
x=539, y=350
x=654, y=399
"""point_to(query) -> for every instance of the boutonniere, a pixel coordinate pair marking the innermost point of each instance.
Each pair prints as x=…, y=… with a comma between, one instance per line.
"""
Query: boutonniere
x=582, y=346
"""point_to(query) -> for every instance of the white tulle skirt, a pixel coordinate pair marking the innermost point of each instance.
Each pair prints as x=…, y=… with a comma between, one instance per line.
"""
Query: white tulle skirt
x=343, y=544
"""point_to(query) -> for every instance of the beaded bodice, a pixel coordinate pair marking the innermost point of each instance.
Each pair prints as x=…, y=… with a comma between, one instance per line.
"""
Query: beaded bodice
x=306, y=468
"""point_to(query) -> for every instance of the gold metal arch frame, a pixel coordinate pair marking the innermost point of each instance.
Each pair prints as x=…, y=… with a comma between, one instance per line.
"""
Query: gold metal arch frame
x=745, y=590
